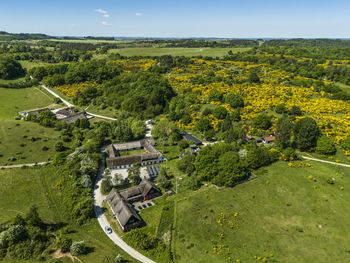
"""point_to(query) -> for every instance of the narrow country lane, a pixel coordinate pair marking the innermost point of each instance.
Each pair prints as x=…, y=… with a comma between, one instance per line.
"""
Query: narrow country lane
x=102, y=220
x=72, y=105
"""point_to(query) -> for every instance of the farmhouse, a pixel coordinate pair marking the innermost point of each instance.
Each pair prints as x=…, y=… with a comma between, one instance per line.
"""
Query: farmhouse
x=69, y=115
x=120, y=203
x=36, y=112
x=189, y=137
x=116, y=161
x=269, y=139
x=125, y=214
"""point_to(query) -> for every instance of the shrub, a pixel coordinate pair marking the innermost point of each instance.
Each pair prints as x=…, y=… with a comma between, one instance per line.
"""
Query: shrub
x=186, y=164
x=220, y=112
x=183, y=144
x=59, y=147
x=306, y=133
x=16, y=233
x=86, y=181
x=193, y=182
x=325, y=146
x=262, y=121
x=78, y=248
x=106, y=186
x=45, y=148
x=346, y=144
x=234, y=100
x=63, y=242
x=281, y=108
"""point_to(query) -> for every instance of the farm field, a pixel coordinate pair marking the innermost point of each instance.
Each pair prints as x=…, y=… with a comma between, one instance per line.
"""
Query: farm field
x=188, y=52
x=294, y=216
x=37, y=186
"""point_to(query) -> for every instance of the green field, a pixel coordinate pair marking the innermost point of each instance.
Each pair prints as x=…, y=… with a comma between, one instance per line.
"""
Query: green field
x=284, y=215
x=24, y=141
x=31, y=64
x=21, y=188
x=188, y=52
x=14, y=100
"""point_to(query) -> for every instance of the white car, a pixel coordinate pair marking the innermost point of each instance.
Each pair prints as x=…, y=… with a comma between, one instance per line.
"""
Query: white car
x=108, y=229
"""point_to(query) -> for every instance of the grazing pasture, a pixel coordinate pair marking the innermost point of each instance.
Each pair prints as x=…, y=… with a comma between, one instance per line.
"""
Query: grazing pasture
x=298, y=215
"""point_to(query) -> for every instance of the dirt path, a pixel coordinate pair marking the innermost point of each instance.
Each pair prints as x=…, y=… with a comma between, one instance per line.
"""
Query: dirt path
x=59, y=254
x=323, y=161
x=24, y=164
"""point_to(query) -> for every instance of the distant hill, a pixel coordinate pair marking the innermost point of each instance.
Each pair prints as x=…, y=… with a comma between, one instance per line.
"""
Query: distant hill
x=5, y=36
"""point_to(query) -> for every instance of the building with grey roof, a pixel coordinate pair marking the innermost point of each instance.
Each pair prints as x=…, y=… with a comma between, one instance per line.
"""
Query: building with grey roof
x=152, y=155
x=120, y=203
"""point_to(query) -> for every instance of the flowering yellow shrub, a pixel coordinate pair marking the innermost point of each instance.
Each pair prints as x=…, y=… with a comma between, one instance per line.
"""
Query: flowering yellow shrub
x=73, y=89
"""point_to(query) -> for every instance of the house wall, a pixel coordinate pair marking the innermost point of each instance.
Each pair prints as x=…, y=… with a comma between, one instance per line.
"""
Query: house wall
x=131, y=226
x=151, y=196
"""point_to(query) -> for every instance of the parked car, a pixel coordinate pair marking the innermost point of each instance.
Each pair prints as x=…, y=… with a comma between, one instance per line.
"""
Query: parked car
x=108, y=229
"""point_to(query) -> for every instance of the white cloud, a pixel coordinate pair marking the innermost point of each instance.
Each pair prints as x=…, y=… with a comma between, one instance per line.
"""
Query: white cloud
x=138, y=14
x=101, y=11
x=106, y=15
x=105, y=23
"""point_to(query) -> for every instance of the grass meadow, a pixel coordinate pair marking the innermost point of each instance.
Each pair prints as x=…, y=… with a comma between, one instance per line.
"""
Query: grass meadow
x=22, y=142
x=15, y=100
x=284, y=215
x=188, y=52
x=21, y=188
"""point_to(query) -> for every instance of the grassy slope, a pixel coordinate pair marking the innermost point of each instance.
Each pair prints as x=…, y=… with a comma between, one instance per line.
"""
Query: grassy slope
x=286, y=217
x=12, y=132
x=20, y=188
x=157, y=51
x=11, y=139
x=14, y=100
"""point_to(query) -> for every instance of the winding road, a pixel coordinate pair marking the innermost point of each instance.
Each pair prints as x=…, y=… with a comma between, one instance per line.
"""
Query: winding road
x=102, y=220
x=99, y=198
x=72, y=105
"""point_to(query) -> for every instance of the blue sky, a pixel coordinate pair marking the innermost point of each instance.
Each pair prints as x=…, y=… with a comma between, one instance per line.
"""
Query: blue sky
x=179, y=18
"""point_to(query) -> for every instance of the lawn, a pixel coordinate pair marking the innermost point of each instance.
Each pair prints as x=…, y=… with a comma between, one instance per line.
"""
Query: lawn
x=188, y=52
x=24, y=141
x=133, y=152
x=21, y=188
x=14, y=100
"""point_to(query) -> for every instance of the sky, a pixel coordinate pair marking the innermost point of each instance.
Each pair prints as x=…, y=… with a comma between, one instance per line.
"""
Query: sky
x=178, y=18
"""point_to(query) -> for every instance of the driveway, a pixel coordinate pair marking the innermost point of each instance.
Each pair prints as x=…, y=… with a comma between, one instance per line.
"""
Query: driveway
x=102, y=220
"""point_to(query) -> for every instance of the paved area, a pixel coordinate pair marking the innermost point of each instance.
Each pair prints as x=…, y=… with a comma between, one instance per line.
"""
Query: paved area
x=142, y=205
